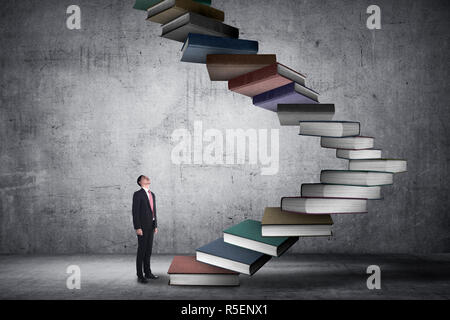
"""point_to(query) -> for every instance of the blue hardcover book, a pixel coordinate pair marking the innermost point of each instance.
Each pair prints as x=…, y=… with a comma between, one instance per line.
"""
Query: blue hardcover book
x=292, y=93
x=198, y=46
x=231, y=257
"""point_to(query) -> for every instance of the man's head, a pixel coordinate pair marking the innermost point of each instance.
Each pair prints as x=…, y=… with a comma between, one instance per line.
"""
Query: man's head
x=143, y=181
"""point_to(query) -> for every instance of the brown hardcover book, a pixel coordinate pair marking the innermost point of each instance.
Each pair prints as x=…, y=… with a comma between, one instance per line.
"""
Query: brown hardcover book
x=279, y=223
x=223, y=67
x=189, y=265
x=265, y=79
x=169, y=10
x=275, y=216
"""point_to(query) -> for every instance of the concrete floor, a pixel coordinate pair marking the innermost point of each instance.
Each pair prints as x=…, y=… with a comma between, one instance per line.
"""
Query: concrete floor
x=288, y=277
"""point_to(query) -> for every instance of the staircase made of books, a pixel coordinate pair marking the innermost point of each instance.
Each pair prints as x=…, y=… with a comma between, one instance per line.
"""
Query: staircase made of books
x=247, y=246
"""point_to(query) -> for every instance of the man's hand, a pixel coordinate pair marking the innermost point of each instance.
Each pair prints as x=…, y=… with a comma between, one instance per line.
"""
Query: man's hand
x=156, y=230
x=139, y=232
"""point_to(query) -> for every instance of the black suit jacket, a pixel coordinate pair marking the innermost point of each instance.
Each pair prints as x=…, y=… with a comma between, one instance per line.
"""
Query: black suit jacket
x=142, y=212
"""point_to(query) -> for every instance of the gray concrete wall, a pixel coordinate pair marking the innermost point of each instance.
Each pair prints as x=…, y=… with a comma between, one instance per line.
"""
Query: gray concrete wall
x=84, y=112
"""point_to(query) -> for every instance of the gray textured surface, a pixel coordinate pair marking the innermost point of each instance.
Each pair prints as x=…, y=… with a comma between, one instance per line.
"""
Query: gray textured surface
x=289, y=277
x=83, y=113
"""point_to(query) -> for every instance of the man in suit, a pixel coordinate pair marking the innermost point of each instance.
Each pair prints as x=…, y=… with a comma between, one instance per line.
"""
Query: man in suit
x=145, y=224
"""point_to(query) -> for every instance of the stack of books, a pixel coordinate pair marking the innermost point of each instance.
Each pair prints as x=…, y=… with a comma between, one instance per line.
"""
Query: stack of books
x=245, y=247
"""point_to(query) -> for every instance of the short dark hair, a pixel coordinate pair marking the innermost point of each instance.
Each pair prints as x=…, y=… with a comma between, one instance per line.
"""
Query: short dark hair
x=139, y=180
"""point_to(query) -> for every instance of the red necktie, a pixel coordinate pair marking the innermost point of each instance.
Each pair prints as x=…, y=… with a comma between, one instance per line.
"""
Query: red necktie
x=151, y=202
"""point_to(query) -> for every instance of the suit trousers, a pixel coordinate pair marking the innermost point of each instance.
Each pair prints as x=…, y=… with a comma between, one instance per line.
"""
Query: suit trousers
x=144, y=252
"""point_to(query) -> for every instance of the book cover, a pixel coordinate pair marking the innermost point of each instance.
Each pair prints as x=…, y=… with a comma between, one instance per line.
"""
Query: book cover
x=179, y=29
x=251, y=229
x=146, y=4
x=189, y=265
x=198, y=46
x=340, y=191
x=356, y=177
x=263, y=80
x=169, y=10
x=348, y=143
x=384, y=165
x=330, y=128
x=225, y=250
x=283, y=95
x=324, y=205
x=276, y=216
x=292, y=114
x=223, y=67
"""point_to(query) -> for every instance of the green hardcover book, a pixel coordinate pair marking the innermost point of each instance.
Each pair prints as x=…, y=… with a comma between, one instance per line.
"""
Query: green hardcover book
x=145, y=4
x=247, y=234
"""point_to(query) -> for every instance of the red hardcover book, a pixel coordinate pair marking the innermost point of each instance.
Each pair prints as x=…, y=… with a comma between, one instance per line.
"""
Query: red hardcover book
x=189, y=265
x=223, y=67
x=187, y=271
x=265, y=79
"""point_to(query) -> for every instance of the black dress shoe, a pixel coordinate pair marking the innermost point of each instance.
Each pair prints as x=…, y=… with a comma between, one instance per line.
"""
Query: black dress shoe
x=142, y=280
x=151, y=276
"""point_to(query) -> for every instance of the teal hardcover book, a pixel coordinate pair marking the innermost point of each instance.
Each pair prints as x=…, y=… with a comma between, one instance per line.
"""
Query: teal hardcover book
x=247, y=234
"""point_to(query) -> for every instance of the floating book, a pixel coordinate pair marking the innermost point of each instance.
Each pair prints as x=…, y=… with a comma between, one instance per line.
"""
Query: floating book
x=384, y=165
x=292, y=114
x=168, y=10
x=187, y=271
x=223, y=67
x=356, y=178
x=247, y=234
x=146, y=4
x=190, y=22
x=265, y=79
x=231, y=257
x=340, y=191
x=323, y=205
x=292, y=93
x=352, y=143
x=278, y=223
x=329, y=128
x=358, y=154
x=198, y=46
